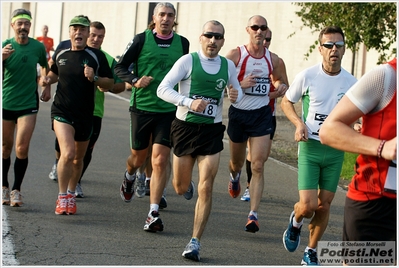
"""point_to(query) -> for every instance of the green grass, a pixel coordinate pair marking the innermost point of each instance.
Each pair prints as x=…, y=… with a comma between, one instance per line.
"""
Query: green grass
x=348, y=167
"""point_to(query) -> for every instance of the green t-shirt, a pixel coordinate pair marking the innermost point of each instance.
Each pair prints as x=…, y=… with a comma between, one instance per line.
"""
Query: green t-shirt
x=20, y=74
x=99, y=101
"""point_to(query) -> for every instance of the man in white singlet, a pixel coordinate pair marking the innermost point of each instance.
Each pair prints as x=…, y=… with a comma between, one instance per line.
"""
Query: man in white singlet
x=250, y=120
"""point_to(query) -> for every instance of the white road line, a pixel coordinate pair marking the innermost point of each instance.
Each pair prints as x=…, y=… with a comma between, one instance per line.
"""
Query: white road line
x=8, y=256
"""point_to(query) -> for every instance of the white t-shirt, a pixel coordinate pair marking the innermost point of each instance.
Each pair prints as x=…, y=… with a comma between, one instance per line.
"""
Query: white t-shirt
x=319, y=93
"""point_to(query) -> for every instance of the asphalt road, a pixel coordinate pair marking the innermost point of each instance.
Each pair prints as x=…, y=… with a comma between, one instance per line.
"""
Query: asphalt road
x=107, y=231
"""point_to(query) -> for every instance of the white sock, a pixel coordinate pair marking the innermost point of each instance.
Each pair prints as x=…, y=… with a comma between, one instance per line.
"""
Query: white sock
x=153, y=207
x=147, y=178
x=130, y=177
x=307, y=248
x=297, y=224
x=253, y=213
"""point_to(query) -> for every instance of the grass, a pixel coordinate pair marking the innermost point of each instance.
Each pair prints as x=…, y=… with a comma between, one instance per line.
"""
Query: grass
x=348, y=169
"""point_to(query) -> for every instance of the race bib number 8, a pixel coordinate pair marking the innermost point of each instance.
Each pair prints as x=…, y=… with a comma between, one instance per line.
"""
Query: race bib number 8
x=210, y=110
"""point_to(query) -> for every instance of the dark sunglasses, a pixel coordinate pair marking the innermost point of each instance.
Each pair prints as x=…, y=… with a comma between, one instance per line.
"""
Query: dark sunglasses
x=268, y=39
x=257, y=27
x=330, y=45
x=217, y=36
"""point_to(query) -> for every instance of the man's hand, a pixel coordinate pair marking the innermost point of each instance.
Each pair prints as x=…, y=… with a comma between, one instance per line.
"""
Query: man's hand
x=233, y=94
x=88, y=72
x=199, y=105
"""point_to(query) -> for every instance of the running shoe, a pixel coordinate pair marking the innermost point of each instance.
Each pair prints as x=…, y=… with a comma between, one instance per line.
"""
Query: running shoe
x=252, y=224
x=127, y=189
x=53, y=173
x=234, y=186
x=16, y=198
x=192, y=250
x=79, y=191
x=71, y=206
x=140, y=184
x=190, y=191
x=246, y=196
x=6, y=196
x=61, y=205
x=163, y=204
x=147, y=187
x=292, y=236
x=310, y=258
x=153, y=222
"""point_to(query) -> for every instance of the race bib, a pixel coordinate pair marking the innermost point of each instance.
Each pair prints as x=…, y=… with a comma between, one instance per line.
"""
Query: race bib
x=210, y=110
x=390, y=182
x=316, y=122
x=261, y=88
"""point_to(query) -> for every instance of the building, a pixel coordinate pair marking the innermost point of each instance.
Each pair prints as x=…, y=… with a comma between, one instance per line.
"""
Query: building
x=125, y=19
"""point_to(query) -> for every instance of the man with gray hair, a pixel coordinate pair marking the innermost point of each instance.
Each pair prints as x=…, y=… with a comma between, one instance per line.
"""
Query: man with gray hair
x=21, y=54
x=153, y=52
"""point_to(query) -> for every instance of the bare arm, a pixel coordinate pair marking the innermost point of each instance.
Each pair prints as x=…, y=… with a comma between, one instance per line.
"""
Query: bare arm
x=301, y=133
x=337, y=132
x=279, y=76
x=284, y=79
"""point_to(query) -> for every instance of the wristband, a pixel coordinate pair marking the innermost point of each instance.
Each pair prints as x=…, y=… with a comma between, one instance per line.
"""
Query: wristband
x=380, y=147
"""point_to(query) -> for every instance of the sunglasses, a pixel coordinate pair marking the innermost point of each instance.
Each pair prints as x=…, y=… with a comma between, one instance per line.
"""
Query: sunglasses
x=257, y=27
x=217, y=36
x=330, y=45
x=268, y=39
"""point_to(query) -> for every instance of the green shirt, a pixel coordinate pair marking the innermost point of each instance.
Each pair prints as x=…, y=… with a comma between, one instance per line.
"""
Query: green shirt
x=99, y=101
x=155, y=61
x=20, y=74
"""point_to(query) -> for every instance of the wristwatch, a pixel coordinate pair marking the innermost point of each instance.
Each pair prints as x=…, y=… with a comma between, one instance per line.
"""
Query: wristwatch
x=95, y=78
x=134, y=80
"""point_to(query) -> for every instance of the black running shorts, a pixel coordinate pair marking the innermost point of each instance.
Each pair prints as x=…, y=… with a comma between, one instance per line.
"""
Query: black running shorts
x=196, y=139
x=373, y=220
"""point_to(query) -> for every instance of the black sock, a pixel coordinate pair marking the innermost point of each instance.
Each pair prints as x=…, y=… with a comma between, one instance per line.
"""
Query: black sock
x=249, y=171
x=6, y=168
x=20, y=167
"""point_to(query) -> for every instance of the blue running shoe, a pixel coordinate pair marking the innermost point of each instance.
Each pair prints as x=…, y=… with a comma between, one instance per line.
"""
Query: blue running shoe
x=190, y=191
x=192, y=250
x=292, y=236
x=310, y=258
x=246, y=196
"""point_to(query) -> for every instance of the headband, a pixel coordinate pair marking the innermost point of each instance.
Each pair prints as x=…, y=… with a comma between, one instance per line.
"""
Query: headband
x=21, y=16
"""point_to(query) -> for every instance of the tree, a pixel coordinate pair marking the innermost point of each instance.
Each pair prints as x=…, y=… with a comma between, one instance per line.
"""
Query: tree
x=373, y=24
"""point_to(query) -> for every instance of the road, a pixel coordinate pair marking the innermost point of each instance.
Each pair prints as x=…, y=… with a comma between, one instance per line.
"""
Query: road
x=108, y=231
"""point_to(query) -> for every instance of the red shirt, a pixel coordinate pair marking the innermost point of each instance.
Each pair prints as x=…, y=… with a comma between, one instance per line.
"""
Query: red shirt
x=371, y=171
x=48, y=44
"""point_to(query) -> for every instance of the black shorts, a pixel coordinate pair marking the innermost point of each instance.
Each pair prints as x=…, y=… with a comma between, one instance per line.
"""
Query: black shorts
x=249, y=123
x=274, y=123
x=97, y=122
x=83, y=129
x=144, y=125
x=373, y=220
x=9, y=115
x=196, y=139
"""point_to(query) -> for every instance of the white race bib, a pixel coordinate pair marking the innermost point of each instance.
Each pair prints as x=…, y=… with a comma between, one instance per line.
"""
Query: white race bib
x=390, y=182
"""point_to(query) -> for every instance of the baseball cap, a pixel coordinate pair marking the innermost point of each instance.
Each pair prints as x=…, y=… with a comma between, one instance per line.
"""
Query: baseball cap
x=80, y=21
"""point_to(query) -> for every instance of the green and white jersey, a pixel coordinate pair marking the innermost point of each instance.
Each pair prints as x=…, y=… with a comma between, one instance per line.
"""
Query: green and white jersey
x=319, y=93
x=199, y=77
x=20, y=74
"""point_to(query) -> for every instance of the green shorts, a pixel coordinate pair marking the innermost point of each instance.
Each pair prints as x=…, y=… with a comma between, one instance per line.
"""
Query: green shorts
x=319, y=166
